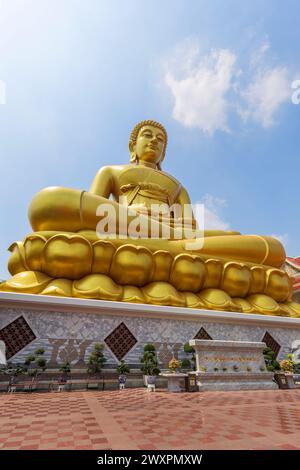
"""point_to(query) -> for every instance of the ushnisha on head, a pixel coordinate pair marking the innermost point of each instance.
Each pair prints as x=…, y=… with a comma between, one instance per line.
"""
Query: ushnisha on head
x=148, y=142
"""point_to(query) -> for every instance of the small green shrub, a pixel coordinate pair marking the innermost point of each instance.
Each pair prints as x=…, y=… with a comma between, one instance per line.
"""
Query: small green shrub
x=35, y=364
x=270, y=361
x=149, y=361
x=186, y=363
x=191, y=351
x=65, y=368
x=123, y=368
x=96, y=359
x=149, y=347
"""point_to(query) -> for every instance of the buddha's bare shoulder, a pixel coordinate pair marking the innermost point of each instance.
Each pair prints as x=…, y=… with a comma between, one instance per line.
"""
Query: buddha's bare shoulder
x=113, y=169
x=110, y=172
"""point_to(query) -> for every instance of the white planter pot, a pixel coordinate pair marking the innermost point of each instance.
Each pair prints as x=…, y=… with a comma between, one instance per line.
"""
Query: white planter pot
x=152, y=379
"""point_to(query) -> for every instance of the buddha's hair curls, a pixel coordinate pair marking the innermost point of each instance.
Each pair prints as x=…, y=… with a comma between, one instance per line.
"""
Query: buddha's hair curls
x=134, y=134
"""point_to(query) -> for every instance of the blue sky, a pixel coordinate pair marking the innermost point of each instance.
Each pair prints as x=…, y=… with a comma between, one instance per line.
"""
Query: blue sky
x=77, y=75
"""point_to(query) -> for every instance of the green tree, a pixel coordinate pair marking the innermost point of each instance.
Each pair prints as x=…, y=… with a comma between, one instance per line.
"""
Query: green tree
x=13, y=370
x=149, y=361
x=65, y=368
x=35, y=364
x=123, y=368
x=269, y=357
x=192, y=359
x=96, y=360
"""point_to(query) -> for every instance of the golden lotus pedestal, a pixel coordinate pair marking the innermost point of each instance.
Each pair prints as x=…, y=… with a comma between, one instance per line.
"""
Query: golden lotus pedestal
x=82, y=266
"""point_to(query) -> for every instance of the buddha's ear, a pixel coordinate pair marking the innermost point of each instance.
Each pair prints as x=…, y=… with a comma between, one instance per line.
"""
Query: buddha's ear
x=131, y=147
x=132, y=152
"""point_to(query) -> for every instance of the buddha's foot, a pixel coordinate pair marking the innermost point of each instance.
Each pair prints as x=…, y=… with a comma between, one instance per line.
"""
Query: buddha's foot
x=102, y=286
x=74, y=266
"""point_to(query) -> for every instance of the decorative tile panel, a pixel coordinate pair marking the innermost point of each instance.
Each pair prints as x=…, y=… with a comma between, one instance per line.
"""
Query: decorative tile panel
x=16, y=336
x=120, y=341
x=202, y=334
x=271, y=343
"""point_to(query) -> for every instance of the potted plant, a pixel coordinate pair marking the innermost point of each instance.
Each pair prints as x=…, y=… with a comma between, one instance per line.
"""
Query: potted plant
x=216, y=369
x=122, y=370
x=186, y=364
x=65, y=368
x=174, y=365
x=95, y=363
x=34, y=365
x=150, y=364
x=287, y=366
x=271, y=364
x=13, y=371
x=96, y=360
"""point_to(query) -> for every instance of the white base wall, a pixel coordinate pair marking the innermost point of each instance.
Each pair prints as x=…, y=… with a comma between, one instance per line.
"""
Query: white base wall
x=67, y=328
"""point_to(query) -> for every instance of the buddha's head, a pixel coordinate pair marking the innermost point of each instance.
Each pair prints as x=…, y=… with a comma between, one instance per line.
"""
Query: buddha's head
x=147, y=143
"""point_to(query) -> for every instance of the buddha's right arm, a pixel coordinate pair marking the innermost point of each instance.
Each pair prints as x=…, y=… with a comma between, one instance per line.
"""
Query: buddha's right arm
x=103, y=183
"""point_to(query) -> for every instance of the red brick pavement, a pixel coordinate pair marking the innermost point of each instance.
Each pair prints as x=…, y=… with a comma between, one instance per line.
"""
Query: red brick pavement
x=137, y=419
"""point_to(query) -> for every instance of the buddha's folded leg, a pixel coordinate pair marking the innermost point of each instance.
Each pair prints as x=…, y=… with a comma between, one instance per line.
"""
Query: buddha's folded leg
x=64, y=209
x=250, y=248
x=71, y=210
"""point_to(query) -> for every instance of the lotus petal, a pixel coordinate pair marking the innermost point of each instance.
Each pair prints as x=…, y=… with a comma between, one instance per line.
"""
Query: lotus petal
x=67, y=256
x=59, y=287
x=216, y=299
x=29, y=282
x=133, y=294
x=97, y=286
x=278, y=285
x=132, y=265
x=236, y=279
x=163, y=293
x=264, y=304
x=188, y=273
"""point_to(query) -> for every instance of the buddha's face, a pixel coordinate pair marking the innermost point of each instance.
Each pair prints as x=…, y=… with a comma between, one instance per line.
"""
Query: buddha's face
x=150, y=144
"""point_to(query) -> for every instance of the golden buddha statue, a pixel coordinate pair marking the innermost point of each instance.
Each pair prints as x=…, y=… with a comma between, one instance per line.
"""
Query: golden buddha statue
x=133, y=237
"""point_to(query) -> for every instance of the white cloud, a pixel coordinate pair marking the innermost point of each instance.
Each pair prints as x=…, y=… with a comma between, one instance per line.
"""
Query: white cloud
x=269, y=89
x=258, y=55
x=208, y=89
x=200, y=93
x=212, y=213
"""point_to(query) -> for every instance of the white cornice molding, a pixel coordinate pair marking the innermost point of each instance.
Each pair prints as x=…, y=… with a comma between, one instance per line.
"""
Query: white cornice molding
x=35, y=302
